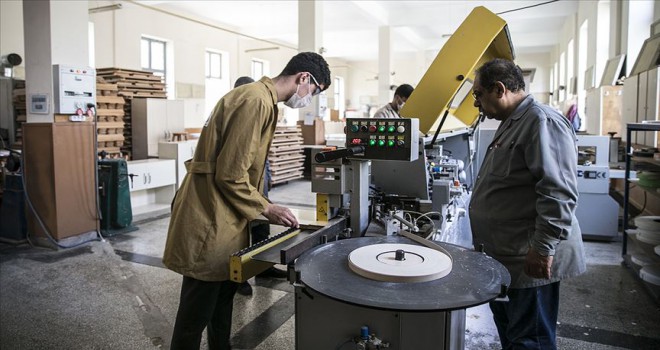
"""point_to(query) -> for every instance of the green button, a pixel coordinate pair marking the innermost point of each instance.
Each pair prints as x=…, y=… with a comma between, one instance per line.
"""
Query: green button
x=390, y=143
x=372, y=142
x=381, y=128
x=391, y=128
x=381, y=143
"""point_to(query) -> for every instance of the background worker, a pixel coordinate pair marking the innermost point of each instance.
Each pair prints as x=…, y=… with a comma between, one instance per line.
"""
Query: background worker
x=391, y=110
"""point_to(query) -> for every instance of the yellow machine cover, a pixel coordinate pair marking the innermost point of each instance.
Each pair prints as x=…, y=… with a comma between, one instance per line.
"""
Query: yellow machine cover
x=481, y=37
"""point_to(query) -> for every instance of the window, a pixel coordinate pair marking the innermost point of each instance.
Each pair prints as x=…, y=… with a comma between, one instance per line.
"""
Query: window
x=153, y=56
x=552, y=82
x=338, y=95
x=562, y=77
x=213, y=65
x=602, y=38
x=582, y=68
x=257, y=69
x=570, y=67
x=217, y=82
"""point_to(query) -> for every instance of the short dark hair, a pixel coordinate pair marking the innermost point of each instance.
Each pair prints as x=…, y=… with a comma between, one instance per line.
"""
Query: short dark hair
x=310, y=62
x=502, y=70
x=242, y=81
x=404, y=90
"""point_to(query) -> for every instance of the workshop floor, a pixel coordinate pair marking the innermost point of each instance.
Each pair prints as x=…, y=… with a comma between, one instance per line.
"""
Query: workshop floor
x=117, y=295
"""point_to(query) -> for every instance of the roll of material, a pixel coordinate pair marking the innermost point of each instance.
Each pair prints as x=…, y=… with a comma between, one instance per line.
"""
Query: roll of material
x=648, y=223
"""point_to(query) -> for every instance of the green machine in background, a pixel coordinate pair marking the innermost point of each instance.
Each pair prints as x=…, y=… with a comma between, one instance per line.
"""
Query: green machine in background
x=114, y=197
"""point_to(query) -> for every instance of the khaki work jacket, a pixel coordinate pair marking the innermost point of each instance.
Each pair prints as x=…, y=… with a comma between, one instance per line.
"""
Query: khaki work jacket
x=221, y=193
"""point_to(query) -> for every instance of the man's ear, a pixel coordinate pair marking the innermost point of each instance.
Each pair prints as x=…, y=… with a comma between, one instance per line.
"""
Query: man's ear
x=500, y=88
x=302, y=77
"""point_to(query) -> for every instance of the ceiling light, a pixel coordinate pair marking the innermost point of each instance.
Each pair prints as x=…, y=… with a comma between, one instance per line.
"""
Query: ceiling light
x=105, y=8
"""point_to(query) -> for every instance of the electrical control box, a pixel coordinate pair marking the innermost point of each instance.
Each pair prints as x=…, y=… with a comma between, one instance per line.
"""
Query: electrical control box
x=384, y=138
x=74, y=88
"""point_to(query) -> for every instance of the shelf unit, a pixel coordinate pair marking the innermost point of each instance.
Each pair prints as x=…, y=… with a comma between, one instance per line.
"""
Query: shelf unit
x=179, y=151
x=152, y=187
x=627, y=257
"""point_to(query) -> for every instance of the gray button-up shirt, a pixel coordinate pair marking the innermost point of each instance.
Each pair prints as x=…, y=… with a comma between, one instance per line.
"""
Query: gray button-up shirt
x=526, y=193
x=386, y=112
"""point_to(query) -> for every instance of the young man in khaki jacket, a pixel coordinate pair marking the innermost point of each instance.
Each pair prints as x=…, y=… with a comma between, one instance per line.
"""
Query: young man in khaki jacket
x=221, y=194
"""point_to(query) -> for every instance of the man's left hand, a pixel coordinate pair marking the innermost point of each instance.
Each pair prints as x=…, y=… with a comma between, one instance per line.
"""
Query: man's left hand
x=537, y=265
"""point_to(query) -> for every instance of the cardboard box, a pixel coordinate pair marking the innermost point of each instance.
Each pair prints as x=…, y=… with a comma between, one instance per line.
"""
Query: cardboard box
x=313, y=134
x=334, y=115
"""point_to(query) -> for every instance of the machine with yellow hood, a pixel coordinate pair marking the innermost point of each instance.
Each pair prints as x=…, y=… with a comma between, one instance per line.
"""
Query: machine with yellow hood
x=397, y=291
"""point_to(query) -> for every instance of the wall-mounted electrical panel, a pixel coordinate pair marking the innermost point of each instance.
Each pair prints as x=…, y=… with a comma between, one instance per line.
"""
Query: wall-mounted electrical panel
x=74, y=87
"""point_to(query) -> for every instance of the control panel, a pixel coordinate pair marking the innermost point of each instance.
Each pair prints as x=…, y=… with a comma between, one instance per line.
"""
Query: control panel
x=384, y=138
x=75, y=88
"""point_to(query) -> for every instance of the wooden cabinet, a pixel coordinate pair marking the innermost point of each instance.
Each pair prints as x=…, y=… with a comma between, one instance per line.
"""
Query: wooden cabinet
x=154, y=120
x=180, y=152
x=59, y=166
x=603, y=110
x=151, y=185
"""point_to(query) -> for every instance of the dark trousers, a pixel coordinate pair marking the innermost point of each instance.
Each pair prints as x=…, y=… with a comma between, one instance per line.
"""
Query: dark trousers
x=529, y=319
x=204, y=305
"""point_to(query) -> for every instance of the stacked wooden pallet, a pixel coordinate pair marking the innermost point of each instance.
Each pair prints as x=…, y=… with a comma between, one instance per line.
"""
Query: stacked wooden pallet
x=286, y=154
x=130, y=84
x=110, y=118
x=20, y=111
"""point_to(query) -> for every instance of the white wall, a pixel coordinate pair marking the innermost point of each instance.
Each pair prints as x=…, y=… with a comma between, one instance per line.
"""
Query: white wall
x=118, y=36
x=541, y=85
x=11, y=33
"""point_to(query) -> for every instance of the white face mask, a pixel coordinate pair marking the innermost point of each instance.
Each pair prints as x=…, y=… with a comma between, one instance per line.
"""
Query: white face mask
x=400, y=106
x=299, y=102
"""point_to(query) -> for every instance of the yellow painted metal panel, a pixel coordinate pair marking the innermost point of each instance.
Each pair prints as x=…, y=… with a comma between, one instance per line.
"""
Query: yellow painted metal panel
x=322, y=207
x=481, y=37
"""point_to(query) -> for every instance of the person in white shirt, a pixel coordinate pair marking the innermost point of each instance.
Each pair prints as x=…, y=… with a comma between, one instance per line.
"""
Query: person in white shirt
x=391, y=110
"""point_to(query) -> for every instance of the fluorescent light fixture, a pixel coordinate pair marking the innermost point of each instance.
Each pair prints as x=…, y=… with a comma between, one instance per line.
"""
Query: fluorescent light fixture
x=263, y=49
x=105, y=8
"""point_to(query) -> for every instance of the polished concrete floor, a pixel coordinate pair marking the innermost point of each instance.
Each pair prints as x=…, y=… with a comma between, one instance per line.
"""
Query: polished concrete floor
x=115, y=294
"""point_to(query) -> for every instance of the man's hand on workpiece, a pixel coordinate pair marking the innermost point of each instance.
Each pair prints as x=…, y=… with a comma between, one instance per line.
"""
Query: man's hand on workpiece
x=280, y=215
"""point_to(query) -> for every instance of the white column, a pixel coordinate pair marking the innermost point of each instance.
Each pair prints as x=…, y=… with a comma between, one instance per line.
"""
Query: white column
x=310, y=39
x=55, y=32
x=384, y=65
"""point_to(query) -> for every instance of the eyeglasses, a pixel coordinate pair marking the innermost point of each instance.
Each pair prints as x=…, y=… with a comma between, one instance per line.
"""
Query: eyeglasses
x=477, y=94
x=318, y=86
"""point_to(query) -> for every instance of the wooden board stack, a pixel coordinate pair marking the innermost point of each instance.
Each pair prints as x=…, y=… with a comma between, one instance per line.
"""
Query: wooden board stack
x=110, y=118
x=20, y=110
x=286, y=154
x=130, y=84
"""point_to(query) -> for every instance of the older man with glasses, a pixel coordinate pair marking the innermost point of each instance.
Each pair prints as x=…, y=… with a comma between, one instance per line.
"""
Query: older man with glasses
x=522, y=209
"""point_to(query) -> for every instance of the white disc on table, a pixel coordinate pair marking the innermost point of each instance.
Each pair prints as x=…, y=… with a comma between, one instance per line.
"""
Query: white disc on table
x=420, y=264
